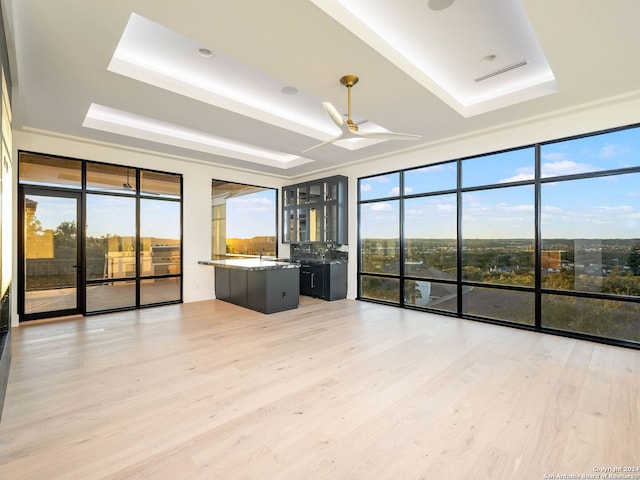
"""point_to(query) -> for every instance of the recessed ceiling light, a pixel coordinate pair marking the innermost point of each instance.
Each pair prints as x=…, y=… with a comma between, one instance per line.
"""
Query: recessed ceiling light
x=289, y=90
x=205, y=52
x=488, y=58
x=438, y=5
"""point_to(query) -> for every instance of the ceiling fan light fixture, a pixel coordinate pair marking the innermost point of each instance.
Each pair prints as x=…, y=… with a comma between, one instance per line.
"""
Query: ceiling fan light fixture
x=349, y=128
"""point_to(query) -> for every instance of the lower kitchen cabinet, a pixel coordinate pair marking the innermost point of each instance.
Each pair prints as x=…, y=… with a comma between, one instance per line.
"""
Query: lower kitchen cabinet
x=324, y=280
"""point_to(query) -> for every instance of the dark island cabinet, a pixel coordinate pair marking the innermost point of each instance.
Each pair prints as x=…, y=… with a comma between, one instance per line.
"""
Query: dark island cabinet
x=264, y=290
x=324, y=280
x=316, y=211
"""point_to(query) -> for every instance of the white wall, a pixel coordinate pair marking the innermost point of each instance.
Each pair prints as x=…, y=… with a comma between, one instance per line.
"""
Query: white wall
x=198, y=279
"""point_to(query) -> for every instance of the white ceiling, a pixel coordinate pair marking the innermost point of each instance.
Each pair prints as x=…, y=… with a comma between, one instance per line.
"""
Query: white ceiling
x=128, y=72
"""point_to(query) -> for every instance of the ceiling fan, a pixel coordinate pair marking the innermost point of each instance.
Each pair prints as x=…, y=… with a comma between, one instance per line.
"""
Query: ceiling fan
x=348, y=127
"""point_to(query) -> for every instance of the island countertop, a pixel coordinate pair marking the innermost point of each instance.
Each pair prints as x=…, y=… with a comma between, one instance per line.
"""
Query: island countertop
x=250, y=264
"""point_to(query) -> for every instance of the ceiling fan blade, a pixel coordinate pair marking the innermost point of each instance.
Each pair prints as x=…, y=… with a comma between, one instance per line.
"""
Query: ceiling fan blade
x=335, y=139
x=333, y=113
x=388, y=135
x=336, y=117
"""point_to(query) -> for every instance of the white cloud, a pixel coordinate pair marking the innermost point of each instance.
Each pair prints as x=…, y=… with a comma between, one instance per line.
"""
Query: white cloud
x=554, y=156
x=436, y=168
x=251, y=204
x=611, y=150
x=380, y=207
x=525, y=173
x=562, y=166
x=445, y=208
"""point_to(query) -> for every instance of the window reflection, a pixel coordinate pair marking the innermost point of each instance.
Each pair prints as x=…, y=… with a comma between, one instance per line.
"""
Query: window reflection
x=505, y=305
x=110, y=295
x=380, y=288
x=158, y=183
x=111, y=178
x=159, y=290
x=434, y=295
x=50, y=171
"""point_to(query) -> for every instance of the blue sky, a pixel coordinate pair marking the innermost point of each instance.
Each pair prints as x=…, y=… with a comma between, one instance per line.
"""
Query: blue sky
x=247, y=216
x=252, y=215
x=605, y=207
x=112, y=215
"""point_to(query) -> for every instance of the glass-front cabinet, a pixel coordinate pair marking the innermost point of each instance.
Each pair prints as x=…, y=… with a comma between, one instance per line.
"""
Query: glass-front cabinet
x=315, y=212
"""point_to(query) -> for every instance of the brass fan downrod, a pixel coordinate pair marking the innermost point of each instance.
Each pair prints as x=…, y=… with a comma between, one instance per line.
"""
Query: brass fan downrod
x=349, y=81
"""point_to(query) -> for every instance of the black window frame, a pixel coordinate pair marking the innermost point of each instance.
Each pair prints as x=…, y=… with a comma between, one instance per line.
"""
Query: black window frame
x=537, y=289
x=83, y=191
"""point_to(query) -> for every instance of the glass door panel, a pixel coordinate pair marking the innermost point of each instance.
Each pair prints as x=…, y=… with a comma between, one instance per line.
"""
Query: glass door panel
x=315, y=193
x=316, y=216
x=159, y=237
x=51, y=266
x=303, y=225
x=161, y=251
x=288, y=224
x=110, y=238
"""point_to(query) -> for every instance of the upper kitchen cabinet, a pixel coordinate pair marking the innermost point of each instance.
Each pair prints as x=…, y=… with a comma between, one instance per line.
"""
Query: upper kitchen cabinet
x=316, y=211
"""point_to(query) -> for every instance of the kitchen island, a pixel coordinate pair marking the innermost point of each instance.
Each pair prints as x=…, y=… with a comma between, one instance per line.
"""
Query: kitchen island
x=267, y=286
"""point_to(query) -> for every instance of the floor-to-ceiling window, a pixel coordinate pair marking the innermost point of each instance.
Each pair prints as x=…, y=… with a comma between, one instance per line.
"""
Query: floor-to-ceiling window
x=97, y=237
x=545, y=237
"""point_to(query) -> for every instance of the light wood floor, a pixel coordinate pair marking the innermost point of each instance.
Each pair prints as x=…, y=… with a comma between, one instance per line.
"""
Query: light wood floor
x=333, y=390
